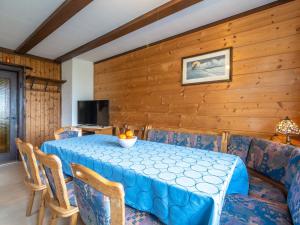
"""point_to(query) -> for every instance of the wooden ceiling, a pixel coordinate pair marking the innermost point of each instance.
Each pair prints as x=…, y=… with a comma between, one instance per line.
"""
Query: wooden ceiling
x=154, y=11
x=144, y=20
x=62, y=14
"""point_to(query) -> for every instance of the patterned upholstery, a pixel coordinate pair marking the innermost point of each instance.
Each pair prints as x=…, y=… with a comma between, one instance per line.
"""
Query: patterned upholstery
x=261, y=189
x=28, y=166
x=239, y=145
x=201, y=141
x=136, y=217
x=294, y=199
x=160, y=136
x=94, y=208
x=68, y=134
x=243, y=210
x=30, y=173
x=274, y=160
x=70, y=186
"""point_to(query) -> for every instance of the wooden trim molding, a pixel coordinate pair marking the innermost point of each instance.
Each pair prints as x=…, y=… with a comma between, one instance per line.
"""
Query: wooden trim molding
x=12, y=52
x=154, y=15
x=62, y=14
x=237, y=16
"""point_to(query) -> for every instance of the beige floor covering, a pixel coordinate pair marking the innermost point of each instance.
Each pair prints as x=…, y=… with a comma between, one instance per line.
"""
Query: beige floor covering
x=14, y=197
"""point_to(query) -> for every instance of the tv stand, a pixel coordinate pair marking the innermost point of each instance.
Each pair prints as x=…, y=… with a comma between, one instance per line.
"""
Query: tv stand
x=95, y=129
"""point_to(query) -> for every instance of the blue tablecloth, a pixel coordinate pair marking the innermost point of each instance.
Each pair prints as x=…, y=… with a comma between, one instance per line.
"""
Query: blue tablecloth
x=180, y=185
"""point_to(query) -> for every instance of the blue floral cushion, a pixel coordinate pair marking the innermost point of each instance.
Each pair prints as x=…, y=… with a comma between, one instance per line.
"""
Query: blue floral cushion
x=207, y=142
x=243, y=210
x=293, y=167
x=201, y=141
x=274, y=160
x=160, y=136
x=294, y=199
x=94, y=207
x=239, y=145
x=261, y=189
x=69, y=185
x=136, y=217
x=71, y=193
x=68, y=134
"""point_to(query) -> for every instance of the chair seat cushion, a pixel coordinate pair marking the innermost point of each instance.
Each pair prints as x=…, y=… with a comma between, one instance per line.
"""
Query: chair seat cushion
x=244, y=210
x=262, y=189
x=136, y=217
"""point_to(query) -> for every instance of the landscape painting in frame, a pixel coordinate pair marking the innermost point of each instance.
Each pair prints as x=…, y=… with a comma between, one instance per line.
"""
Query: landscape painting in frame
x=210, y=67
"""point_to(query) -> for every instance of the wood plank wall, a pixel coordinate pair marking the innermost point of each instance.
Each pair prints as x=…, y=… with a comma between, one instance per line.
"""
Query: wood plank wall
x=145, y=86
x=42, y=108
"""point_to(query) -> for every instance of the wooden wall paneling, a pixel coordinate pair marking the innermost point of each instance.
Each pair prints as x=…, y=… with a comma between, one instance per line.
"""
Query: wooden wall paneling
x=42, y=114
x=144, y=86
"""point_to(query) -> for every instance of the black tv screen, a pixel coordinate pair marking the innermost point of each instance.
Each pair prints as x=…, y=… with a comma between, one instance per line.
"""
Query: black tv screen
x=93, y=112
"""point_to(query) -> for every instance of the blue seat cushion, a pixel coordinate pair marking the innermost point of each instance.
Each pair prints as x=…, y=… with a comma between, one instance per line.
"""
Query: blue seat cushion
x=136, y=217
x=261, y=189
x=294, y=199
x=244, y=210
x=68, y=134
x=277, y=161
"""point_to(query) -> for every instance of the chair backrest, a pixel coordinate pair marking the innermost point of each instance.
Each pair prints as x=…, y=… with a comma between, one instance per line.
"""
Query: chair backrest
x=293, y=199
x=279, y=162
x=29, y=162
x=140, y=131
x=67, y=132
x=239, y=145
x=213, y=142
x=100, y=201
x=52, y=170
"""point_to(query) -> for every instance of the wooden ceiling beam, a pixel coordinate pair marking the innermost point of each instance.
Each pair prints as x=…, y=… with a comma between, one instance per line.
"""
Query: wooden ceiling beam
x=152, y=16
x=62, y=14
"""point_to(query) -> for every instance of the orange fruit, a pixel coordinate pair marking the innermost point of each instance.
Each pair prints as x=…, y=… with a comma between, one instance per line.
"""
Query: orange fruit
x=122, y=136
x=129, y=133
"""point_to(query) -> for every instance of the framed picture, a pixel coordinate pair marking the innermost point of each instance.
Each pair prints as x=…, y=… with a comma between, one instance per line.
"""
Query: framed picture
x=209, y=67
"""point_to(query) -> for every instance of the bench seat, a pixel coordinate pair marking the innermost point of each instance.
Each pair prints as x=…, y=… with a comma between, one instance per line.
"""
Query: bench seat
x=259, y=188
x=243, y=210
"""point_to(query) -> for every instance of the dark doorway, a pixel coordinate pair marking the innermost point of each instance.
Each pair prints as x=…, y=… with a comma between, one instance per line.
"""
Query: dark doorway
x=11, y=110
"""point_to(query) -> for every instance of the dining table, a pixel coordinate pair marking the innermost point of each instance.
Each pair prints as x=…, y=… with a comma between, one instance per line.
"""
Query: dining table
x=179, y=185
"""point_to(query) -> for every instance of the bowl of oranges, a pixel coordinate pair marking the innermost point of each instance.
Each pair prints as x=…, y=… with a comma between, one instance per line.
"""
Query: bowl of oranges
x=127, y=139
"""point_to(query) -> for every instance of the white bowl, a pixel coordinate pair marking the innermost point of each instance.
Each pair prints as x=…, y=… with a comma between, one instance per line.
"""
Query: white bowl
x=127, y=143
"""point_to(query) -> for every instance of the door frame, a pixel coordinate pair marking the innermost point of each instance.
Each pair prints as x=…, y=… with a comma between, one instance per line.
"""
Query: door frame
x=20, y=72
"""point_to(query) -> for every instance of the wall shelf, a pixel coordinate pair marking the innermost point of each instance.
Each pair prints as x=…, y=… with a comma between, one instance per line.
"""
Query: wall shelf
x=44, y=81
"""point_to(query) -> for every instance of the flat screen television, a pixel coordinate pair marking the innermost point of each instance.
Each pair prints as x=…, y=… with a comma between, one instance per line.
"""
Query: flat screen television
x=93, y=113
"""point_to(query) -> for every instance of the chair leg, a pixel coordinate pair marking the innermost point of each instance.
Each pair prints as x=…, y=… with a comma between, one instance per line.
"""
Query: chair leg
x=42, y=208
x=30, y=203
x=73, y=220
x=53, y=219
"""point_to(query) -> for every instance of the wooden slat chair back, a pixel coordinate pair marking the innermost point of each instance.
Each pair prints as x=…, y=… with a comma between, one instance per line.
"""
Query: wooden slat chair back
x=112, y=191
x=33, y=180
x=140, y=131
x=59, y=198
x=67, y=132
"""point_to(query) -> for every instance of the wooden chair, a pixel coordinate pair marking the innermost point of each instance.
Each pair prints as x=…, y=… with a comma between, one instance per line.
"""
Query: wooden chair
x=33, y=178
x=140, y=132
x=61, y=199
x=101, y=201
x=67, y=132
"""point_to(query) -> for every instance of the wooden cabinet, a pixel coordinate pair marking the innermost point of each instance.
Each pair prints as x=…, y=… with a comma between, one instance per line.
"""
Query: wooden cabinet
x=96, y=130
